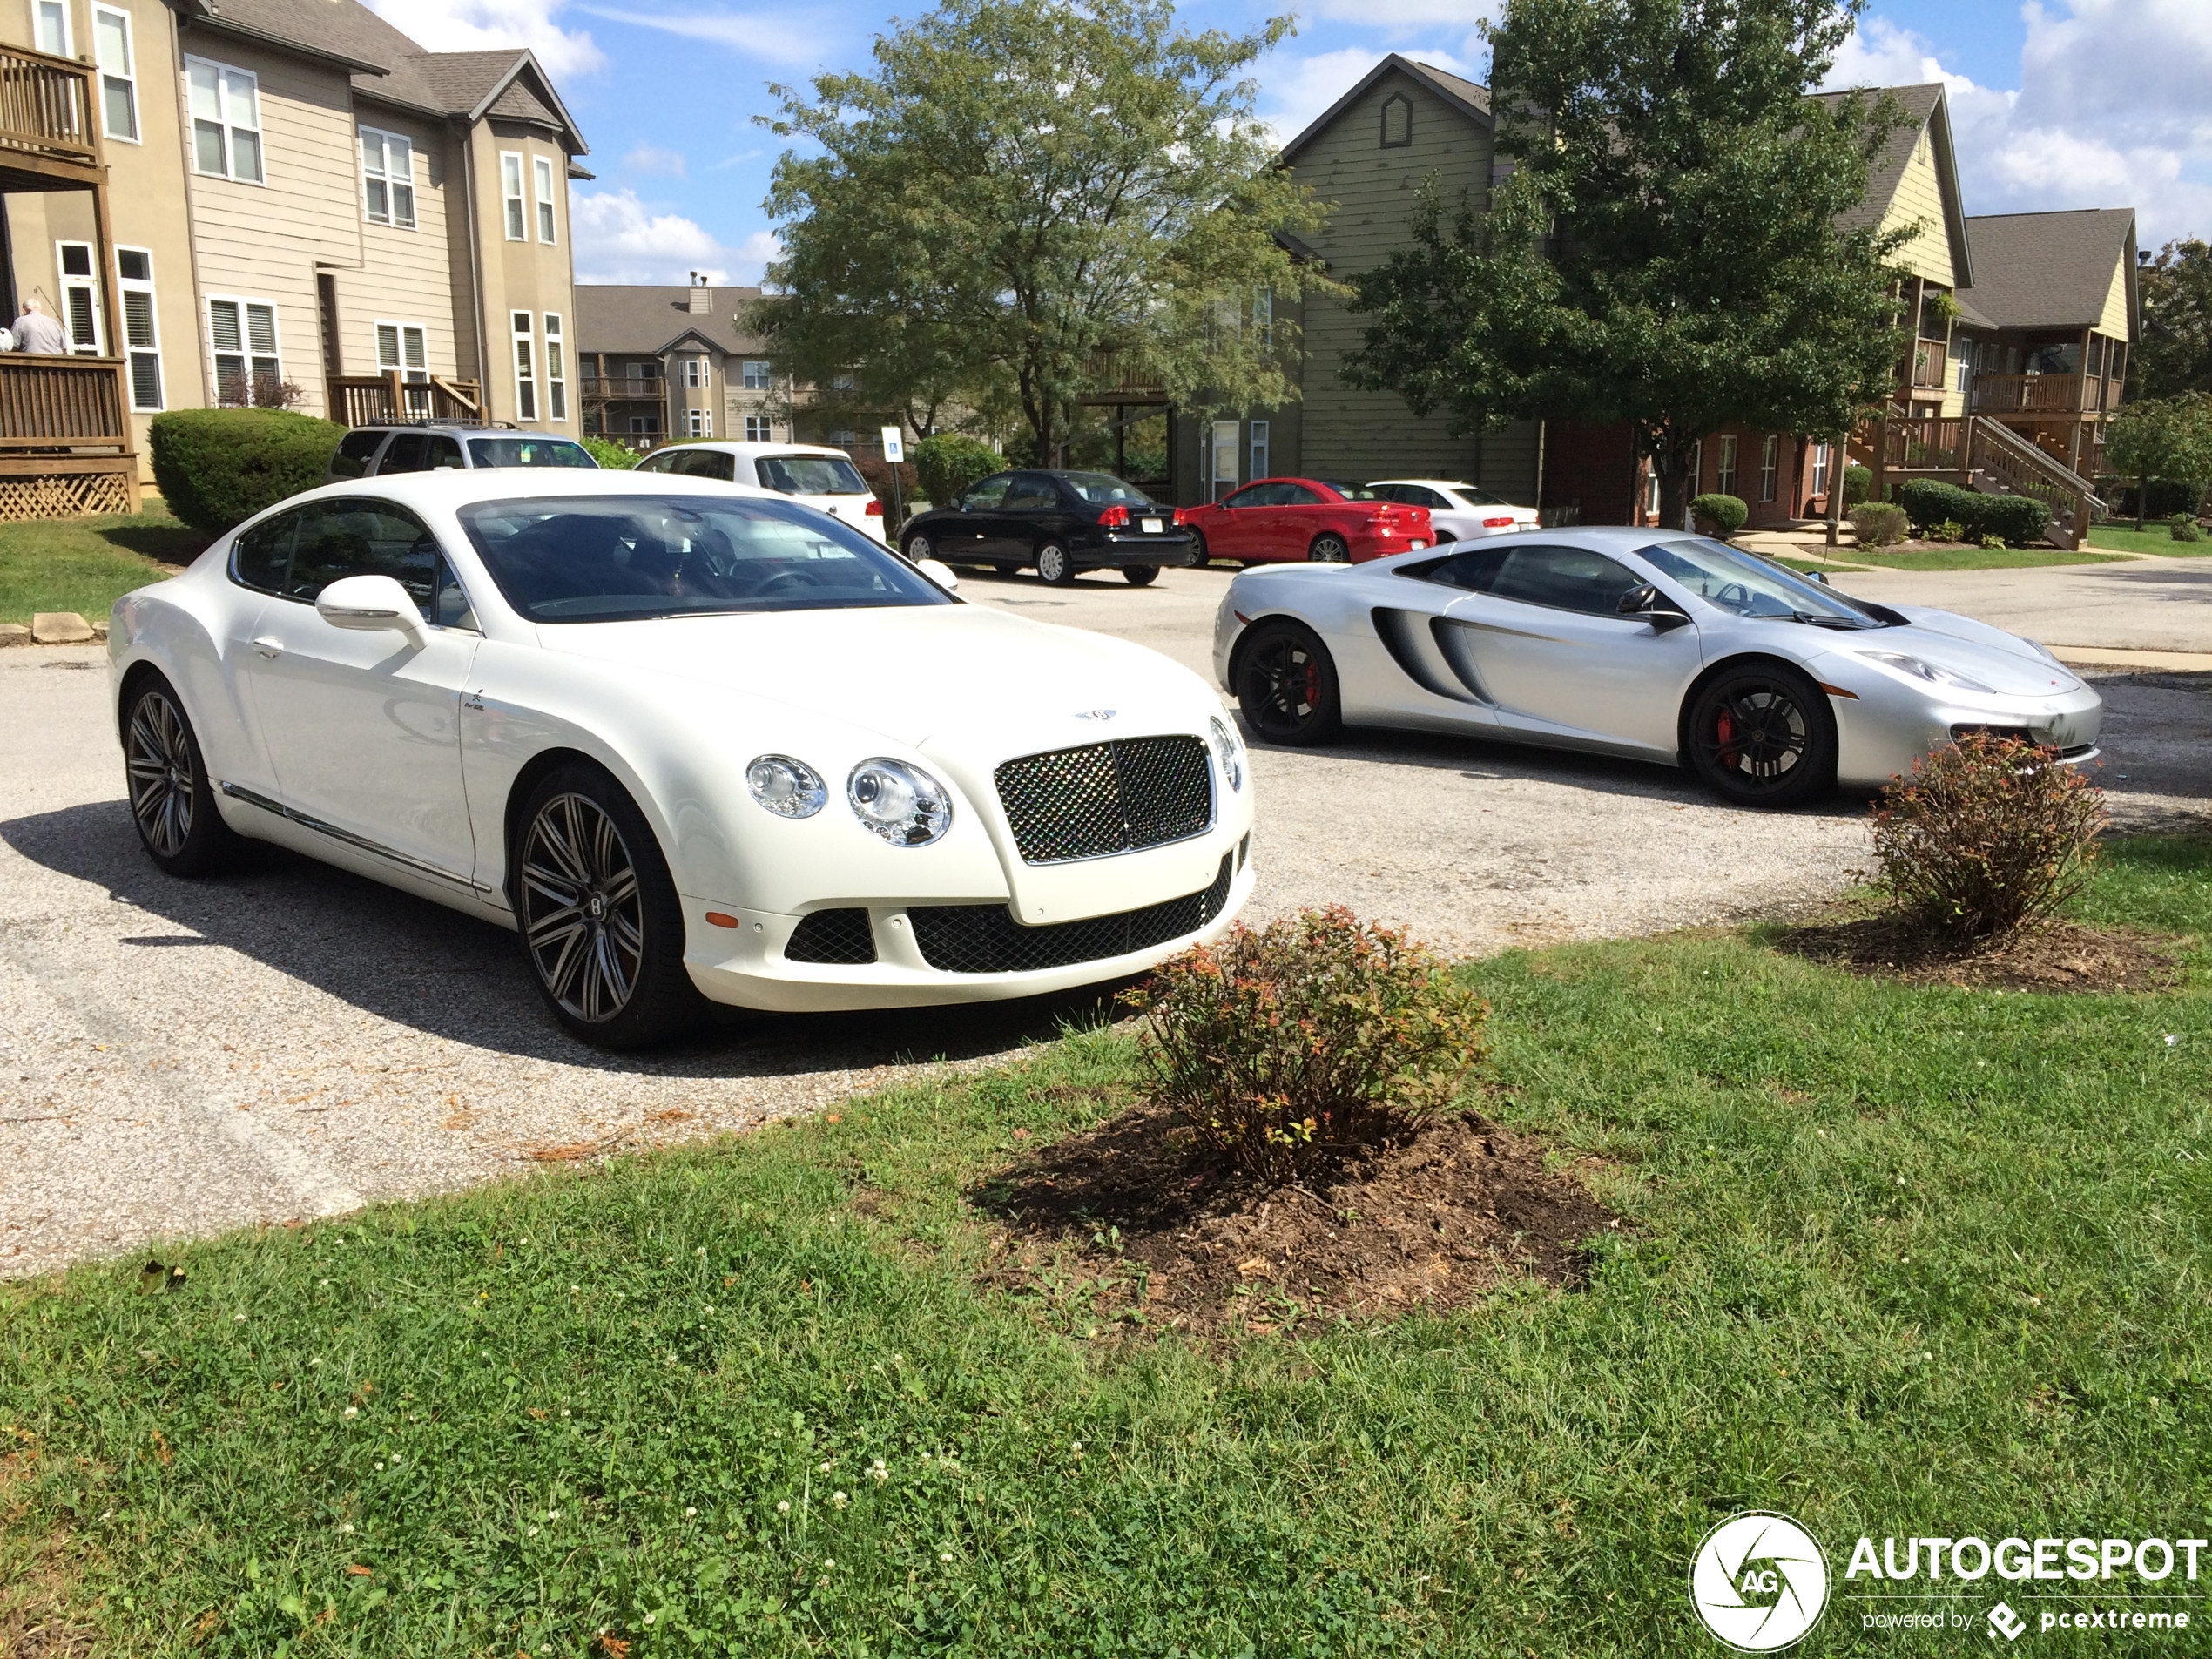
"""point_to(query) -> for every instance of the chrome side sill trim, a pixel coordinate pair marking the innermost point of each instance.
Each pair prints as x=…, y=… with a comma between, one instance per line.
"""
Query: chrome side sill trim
x=361, y=843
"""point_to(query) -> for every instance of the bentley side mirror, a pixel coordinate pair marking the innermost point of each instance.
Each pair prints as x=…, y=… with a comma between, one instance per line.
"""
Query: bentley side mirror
x=1653, y=607
x=371, y=604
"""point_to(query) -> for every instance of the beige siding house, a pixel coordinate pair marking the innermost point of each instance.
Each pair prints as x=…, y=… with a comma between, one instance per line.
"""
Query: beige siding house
x=677, y=362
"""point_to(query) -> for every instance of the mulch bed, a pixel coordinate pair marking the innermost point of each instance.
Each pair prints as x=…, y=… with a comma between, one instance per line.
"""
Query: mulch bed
x=2056, y=956
x=1130, y=1226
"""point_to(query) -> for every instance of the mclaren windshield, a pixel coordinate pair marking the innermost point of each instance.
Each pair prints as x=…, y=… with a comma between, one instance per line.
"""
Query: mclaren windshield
x=1729, y=579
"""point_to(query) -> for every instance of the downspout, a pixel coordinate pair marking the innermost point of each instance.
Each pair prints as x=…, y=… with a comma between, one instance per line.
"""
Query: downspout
x=476, y=271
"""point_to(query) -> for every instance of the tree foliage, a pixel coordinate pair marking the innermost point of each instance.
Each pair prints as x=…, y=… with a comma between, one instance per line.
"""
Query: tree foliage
x=2175, y=351
x=2169, y=438
x=1028, y=200
x=1666, y=250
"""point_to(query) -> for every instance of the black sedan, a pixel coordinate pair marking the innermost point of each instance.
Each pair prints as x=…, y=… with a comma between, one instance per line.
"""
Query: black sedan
x=1062, y=523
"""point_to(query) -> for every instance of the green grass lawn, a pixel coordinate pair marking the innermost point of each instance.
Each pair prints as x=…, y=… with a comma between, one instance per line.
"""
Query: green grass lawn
x=1898, y=1262
x=1969, y=558
x=86, y=564
x=2122, y=536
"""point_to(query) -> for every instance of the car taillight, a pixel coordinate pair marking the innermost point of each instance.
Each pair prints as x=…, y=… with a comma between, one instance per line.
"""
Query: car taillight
x=874, y=509
x=1178, y=520
x=1113, y=518
x=1497, y=524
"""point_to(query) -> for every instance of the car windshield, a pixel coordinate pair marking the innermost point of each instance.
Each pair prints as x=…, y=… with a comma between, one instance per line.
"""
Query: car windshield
x=602, y=558
x=810, y=476
x=1749, y=586
x=1104, y=489
x=528, y=452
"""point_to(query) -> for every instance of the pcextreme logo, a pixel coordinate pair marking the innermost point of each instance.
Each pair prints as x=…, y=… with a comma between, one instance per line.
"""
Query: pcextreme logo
x=1759, y=1582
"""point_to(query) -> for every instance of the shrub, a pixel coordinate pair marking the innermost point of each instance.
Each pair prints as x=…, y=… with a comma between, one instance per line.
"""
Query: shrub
x=2018, y=519
x=1951, y=530
x=1993, y=544
x=1726, y=514
x=218, y=467
x=1988, y=834
x=2183, y=526
x=1858, y=485
x=1930, y=503
x=613, y=456
x=1317, y=1034
x=2162, y=499
x=1879, y=523
x=947, y=463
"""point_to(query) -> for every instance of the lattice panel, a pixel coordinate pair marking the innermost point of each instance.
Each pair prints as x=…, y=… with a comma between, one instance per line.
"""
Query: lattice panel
x=64, y=495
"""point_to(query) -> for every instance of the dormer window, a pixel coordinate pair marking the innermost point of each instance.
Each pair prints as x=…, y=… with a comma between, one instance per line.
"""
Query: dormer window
x=1396, y=121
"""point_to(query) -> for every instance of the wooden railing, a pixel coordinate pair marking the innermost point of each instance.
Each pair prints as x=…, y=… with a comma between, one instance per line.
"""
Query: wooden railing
x=2043, y=394
x=46, y=108
x=1978, y=452
x=382, y=400
x=1917, y=445
x=1931, y=361
x=57, y=403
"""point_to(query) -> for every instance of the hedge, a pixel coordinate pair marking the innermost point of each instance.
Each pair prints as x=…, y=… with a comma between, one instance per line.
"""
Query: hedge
x=1858, y=485
x=948, y=463
x=218, y=467
x=2164, y=498
x=613, y=456
x=1726, y=514
x=2017, y=519
x=1878, y=523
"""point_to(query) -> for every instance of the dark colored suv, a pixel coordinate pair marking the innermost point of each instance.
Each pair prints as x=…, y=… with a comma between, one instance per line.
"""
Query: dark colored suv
x=1062, y=523
x=374, y=451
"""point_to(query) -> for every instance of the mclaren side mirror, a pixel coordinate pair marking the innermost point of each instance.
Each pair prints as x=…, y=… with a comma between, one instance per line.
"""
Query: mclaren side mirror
x=1653, y=607
x=1821, y=577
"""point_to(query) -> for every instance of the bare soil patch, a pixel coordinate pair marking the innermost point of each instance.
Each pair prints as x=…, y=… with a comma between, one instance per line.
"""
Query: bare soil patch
x=1132, y=1223
x=2058, y=956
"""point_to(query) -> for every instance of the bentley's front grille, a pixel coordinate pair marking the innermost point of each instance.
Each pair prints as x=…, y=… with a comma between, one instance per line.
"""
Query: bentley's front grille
x=1106, y=797
x=832, y=936
x=986, y=939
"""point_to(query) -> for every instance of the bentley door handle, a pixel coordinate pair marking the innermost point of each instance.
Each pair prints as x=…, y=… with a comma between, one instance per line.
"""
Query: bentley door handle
x=269, y=645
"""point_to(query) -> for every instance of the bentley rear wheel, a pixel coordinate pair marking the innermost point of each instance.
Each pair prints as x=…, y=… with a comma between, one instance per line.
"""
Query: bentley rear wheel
x=1286, y=684
x=598, y=914
x=173, y=799
x=1763, y=735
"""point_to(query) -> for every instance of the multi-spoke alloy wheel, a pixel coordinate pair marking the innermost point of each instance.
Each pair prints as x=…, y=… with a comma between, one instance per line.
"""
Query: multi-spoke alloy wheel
x=1286, y=684
x=173, y=799
x=581, y=911
x=1764, y=737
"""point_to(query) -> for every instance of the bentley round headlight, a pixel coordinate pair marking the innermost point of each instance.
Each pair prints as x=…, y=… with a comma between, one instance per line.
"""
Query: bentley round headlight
x=1229, y=751
x=786, y=787
x=902, y=804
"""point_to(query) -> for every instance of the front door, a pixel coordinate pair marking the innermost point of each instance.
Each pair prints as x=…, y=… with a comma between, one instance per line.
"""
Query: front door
x=1030, y=515
x=363, y=727
x=1236, y=530
x=962, y=533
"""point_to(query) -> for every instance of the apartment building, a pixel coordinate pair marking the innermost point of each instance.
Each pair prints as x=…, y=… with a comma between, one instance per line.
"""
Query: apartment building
x=661, y=363
x=270, y=202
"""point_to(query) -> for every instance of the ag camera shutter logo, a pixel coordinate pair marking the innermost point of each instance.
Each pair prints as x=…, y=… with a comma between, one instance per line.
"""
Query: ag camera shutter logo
x=1759, y=1582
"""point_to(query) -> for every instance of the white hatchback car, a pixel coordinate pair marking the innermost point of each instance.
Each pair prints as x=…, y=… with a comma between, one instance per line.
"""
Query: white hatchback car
x=1458, y=512
x=691, y=739
x=822, y=477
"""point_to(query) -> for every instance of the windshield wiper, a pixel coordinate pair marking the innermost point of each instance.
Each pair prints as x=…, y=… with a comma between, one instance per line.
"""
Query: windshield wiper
x=1846, y=624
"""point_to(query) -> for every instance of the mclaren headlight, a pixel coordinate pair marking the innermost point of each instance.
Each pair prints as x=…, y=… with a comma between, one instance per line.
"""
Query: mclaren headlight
x=1933, y=673
x=786, y=787
x=1229, y=750
x=903, y=804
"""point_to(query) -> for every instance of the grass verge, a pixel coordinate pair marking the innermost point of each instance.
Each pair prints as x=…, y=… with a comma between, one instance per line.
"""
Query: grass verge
x=2153, y=537
x=1973, y=558
x=86, y=564
x=1901, y=1262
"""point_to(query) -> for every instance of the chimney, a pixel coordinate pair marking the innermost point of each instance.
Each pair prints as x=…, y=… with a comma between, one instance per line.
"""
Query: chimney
x=699, y=299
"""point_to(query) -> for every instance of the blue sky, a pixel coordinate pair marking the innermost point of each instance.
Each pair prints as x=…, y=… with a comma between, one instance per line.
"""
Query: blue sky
x=2066, y=104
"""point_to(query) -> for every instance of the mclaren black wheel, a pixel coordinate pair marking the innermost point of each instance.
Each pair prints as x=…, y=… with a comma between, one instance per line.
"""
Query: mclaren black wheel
x=598, y=914
x=1286, y=684
x=1763, y=735
x=173, y=799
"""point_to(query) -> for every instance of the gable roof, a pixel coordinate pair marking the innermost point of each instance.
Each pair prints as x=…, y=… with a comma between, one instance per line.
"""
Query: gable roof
x=649, y=319
x=2051, y=270
x=1927, y=108
x=1470, y=100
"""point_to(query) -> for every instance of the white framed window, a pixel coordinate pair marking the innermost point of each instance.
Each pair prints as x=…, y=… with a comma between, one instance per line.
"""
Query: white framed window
x=699, y=374
x=243, y=336
x=1258, y=446
x=387, y=178
x=510, y=190
x=1263, y=318
x=225, y=121
x=557, y=369
x=698, y=423
x=141, y=326
x=1650, y=487
x=1769, y=449
x=50, y=28
x=1223, y=455
x=525, y=367
x=1819, y=468
x=542, y=177
x=754, y=375
x=1724, y=467
x=758, y=428
x=404, y=347
x=80, y=297
x=118, y=73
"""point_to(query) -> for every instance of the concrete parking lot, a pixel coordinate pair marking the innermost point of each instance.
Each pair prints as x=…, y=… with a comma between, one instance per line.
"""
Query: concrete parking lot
x=176, y=1058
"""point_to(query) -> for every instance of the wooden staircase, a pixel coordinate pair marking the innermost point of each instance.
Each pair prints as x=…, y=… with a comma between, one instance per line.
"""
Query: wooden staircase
x=1978, y=453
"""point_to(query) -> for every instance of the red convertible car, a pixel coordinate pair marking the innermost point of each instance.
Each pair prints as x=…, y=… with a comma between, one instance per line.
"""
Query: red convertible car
x=1303, y=519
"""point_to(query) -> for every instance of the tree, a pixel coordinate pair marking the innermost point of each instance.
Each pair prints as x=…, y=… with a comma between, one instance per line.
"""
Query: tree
x=1028, y=200
x=2169, y=438
x=1666, y=250
x=2175, y=351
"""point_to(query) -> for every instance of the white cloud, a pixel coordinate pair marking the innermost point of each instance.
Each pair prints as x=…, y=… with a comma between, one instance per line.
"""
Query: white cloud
x=1299, y=89
x=653, y=162
x=621, y=238
x=1404, y=14
x=479, y=25
x=2111, y=112
x=779, y=40
x=732, y=161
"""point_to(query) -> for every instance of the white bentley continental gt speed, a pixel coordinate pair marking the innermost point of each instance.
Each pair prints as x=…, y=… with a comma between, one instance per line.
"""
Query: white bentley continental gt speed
x=691, y=739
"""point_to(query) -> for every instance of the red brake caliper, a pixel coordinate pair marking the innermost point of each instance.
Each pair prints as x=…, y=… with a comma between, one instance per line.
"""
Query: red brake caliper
x=1725, y=734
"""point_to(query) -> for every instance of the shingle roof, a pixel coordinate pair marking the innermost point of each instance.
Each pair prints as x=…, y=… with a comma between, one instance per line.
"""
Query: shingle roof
x=628, y=317
x=1470, y=98
x=2049, y=270
x=1888, y=168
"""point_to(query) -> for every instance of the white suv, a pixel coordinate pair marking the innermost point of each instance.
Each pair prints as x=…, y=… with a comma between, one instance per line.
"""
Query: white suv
x=821, y=477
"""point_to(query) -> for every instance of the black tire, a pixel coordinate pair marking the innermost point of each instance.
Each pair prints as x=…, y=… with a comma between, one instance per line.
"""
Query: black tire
x=172, y=797
x=1330, y=549
x=1004, y=570
x=918, y=549
x=601, y=925
x=1762, y=734
x=1287, y=685
x=1140, y=575
x=1055, y=565
x=1199, y=557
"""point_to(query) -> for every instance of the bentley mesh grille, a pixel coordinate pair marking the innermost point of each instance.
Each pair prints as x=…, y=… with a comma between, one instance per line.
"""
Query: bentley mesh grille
x=832, y=936
x=985, y=938
x=1106, y=797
